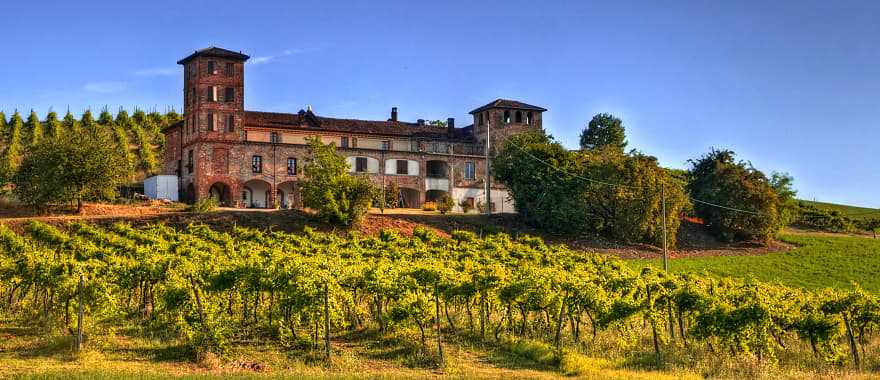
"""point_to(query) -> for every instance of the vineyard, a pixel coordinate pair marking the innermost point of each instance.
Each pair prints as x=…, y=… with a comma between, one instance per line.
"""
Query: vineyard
x=210, y=290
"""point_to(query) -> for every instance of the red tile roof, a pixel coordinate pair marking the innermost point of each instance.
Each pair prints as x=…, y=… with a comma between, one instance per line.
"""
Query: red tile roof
x=506, y=103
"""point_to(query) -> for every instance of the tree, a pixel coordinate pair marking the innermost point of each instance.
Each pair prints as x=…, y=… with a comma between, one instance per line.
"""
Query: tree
x=79, y=167
x=34, y=129
x=604, y=131
x=445, y=204
x=3, y=125
x=719, y=179
x=54, y=127
x=12, y=154
x=328, y=188
x=70, y=123
x=87, y=120
x=783, y=185
x=120, y=127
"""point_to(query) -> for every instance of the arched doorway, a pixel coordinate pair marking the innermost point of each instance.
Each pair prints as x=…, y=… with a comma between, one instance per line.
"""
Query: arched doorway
x=220, y=192
x=255, y=194
x=289, y=195
x=408, y=198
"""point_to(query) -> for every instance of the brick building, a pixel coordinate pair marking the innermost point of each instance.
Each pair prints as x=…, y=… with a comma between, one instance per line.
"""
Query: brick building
x=254, y=159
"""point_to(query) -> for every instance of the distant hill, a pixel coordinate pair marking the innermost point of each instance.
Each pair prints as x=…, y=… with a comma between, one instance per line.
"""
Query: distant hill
x=852, y=212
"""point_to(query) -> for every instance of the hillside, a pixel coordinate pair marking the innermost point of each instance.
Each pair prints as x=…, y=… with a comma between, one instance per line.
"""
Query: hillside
x=852, y=212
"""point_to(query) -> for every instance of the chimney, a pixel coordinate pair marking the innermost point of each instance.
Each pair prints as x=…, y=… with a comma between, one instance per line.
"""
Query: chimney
x=393, y=113
x=450, y=127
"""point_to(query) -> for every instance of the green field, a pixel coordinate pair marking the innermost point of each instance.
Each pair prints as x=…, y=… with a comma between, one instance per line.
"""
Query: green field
x=852, y=212
x=818, y=262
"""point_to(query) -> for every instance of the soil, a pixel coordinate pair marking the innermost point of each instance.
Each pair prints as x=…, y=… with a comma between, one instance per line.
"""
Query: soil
x=693, y=240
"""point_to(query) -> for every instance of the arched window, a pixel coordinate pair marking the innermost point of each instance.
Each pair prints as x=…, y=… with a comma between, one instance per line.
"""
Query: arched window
x=529, y=118
x=506, y=117
x=518, y=116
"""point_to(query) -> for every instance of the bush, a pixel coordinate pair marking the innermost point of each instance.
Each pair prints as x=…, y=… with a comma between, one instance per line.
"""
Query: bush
x=429, y=206
x=466, y=206
x=445, y=204
x=551, y=193
x=339, y=197
x=204, y=205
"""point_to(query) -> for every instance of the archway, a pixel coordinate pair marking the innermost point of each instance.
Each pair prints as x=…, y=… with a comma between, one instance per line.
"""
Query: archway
x=220, y=192
x=434, y=195
x=408, y=198
x=289, y=195
x=256, y=194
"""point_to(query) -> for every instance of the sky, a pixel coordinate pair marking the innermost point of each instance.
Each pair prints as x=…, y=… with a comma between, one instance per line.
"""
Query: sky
x=791, y=86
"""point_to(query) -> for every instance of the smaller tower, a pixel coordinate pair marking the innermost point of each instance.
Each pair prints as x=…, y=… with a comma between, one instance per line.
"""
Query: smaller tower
x=504, y=118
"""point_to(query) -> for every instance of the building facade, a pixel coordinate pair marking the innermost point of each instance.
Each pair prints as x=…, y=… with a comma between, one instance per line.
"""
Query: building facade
x=255, y=159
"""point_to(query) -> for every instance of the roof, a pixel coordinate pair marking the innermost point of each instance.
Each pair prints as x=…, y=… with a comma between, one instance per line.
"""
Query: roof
x=214, y=51
x=506, y=103
x=306, y=120
x=172, y=126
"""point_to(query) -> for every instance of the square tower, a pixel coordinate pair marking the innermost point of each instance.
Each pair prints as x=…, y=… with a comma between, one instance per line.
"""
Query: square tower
x=503, y=118
x=213, y=95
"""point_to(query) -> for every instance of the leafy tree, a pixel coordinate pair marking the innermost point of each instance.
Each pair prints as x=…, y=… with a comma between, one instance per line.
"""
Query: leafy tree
x=12, y=154
x=70, y=123
x=82, y=166
x=3, y=125
x=34, y=129
x=146, y=160
x=328, y=188
x=719, y=179
x=604, y=131
x=445, y=204
x=87, y=121
x=552, y=189
x=105, y=119
x=783, y=185
x=54, y=127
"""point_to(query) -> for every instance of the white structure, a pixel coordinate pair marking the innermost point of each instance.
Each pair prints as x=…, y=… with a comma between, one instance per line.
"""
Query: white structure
x=161, y=187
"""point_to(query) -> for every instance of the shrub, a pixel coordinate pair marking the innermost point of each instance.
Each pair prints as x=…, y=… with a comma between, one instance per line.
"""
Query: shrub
x=466, y=206
x=719, y=179
x=203, y=205
x=338, y=196
x=429, y=206
x=445, y=204
x=815, y=218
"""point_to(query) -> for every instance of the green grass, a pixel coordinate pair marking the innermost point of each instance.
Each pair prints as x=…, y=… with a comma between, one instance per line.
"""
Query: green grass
x=852, y=212
x=818, y=262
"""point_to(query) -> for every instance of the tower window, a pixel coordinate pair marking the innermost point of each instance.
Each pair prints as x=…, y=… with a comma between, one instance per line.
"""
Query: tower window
x=481, y=119
x=230, y=123
x=212, y=69
x=230, y=69
x=211, y=121
x=291, y=166
x=193, y=98
x=529, y=118
x=506, y=117
x=518, y=116
x=212, y=93
x=257, y=164
x=229, y=95
x=189, y=161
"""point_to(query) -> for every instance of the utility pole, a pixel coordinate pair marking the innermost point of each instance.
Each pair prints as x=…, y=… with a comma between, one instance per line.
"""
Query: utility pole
x=383, y=168
x=488, y=205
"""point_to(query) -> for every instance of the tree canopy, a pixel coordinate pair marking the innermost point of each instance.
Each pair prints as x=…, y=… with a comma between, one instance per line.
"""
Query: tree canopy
x=338, y=196
x=604, y=131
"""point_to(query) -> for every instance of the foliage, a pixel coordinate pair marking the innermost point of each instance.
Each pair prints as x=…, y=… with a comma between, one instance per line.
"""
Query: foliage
x=12, y=152
x=466, y=206
x=604, y=131
x=392, y=195
x=328, y=188
x=783, y=185
x=445, y=204
x=204, y=205
x=34, y=129
x=811, y=217
x=83, y=166
x=206, y=287
x=429, y=206
x=718, y=179
x=550, y=187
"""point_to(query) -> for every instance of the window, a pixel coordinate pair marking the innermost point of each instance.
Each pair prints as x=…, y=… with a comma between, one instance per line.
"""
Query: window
x=360, y=164
x=257, y=164
x=212, y=94
x=414, y=146
x=354, y=142
x=469, y=170
x=189, y=161
x=230, y=123
x=193, y=98
x=481, y=119
x=273, y=137
x=211, y=68
x=402, y=167
x=229, y=94
x=211, y=121
x=343, y=142
x=230, y=69
x=291, y=166
x=529, y=118
x=385, y=145
x=244, y=195
x=506, y=117
x=518, y=116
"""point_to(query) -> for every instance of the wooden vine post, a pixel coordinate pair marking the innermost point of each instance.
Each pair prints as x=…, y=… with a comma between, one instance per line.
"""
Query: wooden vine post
x=439, y=331
x=326, y=322
x=79, y=318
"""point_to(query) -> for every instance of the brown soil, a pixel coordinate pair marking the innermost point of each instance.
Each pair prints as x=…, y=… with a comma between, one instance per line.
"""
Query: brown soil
x=693, y=240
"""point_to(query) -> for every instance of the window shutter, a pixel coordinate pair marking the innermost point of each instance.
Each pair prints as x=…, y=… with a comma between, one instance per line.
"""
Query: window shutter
x=230, y=123
x=210, y=121
x=229, y=96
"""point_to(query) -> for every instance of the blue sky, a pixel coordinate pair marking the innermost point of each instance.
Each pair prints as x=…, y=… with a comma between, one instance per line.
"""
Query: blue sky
x=789, y=85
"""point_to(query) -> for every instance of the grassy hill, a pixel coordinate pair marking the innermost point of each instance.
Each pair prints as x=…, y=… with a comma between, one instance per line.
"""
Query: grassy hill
x=852, y=212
